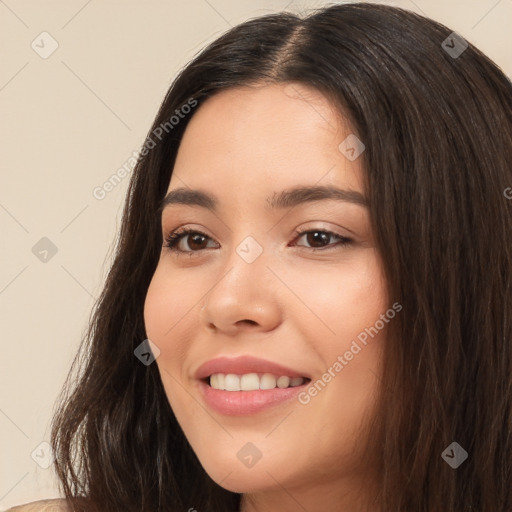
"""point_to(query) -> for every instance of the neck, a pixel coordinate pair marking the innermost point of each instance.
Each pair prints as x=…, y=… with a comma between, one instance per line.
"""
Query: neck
x=323, y=497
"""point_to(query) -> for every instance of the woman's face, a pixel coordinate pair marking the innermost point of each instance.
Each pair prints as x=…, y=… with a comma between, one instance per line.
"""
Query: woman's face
x=249, y=285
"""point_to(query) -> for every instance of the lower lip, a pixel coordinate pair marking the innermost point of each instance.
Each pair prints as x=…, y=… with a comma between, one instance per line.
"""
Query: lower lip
x=241, y=403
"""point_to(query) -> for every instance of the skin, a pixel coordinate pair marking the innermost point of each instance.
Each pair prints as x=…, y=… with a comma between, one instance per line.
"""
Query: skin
x=291, y=305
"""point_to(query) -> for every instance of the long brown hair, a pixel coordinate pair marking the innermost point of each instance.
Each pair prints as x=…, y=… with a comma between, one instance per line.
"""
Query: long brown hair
x=437, y=127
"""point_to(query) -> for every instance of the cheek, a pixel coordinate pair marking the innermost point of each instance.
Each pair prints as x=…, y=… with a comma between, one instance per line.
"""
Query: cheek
x=347, y=335
x=165, y=317
x=167, y=302
x=342, y=301
x=153, y=319
x=165, y=311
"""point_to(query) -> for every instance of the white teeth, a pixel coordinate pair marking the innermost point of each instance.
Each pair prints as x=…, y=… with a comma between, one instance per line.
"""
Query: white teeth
x=252, y=381
x=268, y=381
x=249, y=382
x=283, y=382
x=232, y=382
x=221, y=381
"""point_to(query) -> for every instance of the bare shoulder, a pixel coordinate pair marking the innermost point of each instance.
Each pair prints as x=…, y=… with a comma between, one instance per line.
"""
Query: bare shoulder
x=56, y=505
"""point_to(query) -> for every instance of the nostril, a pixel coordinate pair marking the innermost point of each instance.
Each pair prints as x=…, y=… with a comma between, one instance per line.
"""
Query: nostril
x=251, y=322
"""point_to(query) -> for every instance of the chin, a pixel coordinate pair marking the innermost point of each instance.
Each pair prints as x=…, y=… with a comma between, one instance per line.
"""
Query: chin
x=245, y=481
x=235, y=477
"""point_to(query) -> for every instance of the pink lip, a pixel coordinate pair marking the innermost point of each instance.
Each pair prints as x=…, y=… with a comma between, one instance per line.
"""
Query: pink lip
x=244, y=364
x=239, y=403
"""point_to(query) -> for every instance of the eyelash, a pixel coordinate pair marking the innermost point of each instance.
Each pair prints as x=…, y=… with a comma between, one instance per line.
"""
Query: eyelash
x=173, y=239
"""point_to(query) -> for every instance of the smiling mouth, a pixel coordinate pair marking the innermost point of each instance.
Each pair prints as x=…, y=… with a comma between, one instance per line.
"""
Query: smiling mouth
x=253, y=381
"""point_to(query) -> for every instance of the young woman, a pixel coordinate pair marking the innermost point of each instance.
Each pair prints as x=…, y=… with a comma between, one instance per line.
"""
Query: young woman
x=310, y=304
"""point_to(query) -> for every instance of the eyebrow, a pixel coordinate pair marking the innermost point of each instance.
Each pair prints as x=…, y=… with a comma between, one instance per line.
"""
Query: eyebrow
x=285, y=199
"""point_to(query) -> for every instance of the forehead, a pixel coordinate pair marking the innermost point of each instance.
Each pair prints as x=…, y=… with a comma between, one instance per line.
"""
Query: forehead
x=265, y=136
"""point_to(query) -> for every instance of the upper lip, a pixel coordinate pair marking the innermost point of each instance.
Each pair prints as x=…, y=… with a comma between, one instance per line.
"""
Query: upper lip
x=242, y=365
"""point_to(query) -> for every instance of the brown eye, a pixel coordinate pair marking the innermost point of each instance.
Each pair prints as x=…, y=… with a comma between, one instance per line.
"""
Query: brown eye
x=195, y=240
x=319, y=239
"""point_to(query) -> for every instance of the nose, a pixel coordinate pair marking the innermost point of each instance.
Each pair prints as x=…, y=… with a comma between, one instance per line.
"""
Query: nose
x=244, y=299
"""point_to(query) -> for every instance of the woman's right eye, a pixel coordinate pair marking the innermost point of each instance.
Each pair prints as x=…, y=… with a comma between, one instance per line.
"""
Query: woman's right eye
x=176, y=241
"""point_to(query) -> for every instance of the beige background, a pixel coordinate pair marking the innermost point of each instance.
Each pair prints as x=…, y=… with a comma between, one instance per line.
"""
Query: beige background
x=68, y=122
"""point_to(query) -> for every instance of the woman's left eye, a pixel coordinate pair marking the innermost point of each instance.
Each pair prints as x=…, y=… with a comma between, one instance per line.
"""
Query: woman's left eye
x=318, y=240
x=318, y=236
